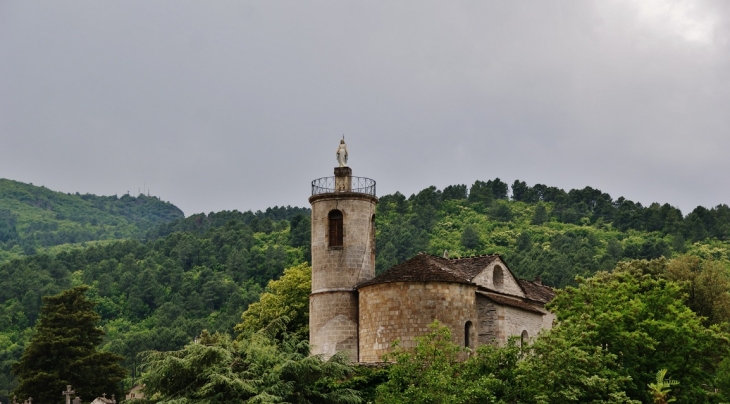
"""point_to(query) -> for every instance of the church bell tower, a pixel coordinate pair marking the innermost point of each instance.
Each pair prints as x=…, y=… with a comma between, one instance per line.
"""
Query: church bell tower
x=343, y=255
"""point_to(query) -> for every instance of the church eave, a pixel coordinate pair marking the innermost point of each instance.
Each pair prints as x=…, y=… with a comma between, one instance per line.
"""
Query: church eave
x=513, y=301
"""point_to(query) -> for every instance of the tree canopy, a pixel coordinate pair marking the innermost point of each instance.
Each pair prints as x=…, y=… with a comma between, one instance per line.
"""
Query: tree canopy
x=34, y=218
x=64, y=351
x=639, y=316
x=287, y=297
x=255, y=369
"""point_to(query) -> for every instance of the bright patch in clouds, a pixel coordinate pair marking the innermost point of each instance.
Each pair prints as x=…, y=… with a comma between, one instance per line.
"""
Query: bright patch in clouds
x=686, y=19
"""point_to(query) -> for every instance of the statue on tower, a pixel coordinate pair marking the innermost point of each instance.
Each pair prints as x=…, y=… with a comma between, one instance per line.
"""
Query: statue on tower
x=342, y=153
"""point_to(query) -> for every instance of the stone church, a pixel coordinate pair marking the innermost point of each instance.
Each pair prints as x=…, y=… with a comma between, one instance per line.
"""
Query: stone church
x=351, y=309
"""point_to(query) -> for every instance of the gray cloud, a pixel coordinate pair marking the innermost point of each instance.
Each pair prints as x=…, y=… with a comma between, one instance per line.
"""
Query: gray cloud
x=238, y=105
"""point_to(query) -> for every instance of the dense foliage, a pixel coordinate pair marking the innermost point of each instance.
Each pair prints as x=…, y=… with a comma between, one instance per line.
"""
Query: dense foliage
x=287, y=298
x=35, y=218
x=254, y=369
x=640, y=316
x=63, y=351
x=158, y=295
x=549, y=371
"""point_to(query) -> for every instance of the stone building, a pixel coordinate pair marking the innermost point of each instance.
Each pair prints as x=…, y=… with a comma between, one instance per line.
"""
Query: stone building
x=478, y=298
x=351, y=309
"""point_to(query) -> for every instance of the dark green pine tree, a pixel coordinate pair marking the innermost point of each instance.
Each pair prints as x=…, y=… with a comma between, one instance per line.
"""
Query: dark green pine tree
x=63, y=351
x=541, y=215
x=470, y=238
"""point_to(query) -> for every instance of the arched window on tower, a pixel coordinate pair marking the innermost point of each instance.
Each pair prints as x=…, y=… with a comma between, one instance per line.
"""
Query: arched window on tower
x=467, y=333
x=498, y=277
x=524, y=338
x=336, y=228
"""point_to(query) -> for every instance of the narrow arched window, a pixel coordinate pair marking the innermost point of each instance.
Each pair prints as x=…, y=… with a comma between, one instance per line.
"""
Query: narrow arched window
x=524, y=337
x=372, y=233
x=498, y=277
x=467, y=334
x=336, y=231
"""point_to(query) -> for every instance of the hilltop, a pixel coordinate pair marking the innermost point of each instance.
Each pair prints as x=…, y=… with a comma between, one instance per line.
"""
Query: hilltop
x=35, y=218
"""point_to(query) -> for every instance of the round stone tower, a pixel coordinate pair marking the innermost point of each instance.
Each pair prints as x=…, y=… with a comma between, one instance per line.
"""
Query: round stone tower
x=343, y=255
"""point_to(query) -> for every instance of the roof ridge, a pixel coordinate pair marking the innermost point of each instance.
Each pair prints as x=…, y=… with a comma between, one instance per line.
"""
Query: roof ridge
x=459, y=257
x=455, y=271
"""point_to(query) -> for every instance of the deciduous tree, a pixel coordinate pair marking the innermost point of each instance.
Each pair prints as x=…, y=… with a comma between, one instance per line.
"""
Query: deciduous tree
x=286, y=297
x=640, y=317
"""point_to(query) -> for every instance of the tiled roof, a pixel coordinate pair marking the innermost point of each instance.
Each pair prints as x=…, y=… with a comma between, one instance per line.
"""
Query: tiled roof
x=471, y=266
x=536, y=291
x=429, y=268
x=512, y=301
x=421, y=268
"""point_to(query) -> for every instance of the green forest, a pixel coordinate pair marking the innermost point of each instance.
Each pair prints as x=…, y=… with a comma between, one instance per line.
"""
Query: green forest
x=169, y=280
x=35, y=219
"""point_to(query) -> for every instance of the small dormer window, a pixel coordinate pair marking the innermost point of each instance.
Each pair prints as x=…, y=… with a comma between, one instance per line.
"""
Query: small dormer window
x=498, y=277
x=335, y=228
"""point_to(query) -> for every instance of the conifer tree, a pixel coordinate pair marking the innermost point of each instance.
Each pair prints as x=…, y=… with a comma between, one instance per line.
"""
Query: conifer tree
x=541, y=215
x=63, y=352
x=258, y=368
x=470, y=238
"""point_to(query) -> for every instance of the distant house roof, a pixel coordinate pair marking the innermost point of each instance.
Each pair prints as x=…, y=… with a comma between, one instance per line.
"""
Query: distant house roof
x=429, y=268
x=136, y=392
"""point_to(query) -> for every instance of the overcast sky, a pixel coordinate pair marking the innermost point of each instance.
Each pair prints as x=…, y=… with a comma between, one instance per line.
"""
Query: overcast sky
x=218, y=105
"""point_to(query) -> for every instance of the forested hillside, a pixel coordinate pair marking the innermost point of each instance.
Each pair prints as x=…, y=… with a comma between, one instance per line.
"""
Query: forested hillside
x=35, y=218
x=161, y=288
x=544, y=231
x=197, y=273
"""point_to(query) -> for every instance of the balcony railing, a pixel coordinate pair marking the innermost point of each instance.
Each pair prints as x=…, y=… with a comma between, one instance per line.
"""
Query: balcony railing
x=359, y=185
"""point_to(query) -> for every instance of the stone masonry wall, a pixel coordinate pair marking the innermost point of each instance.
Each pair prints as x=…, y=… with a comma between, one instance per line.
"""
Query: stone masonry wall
x=516, y=320
x=333, y=323
x=509, y=283
x=404, y=310
x=354, y=262
x=487, y=320
x=498, y=322
x=337, y=270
